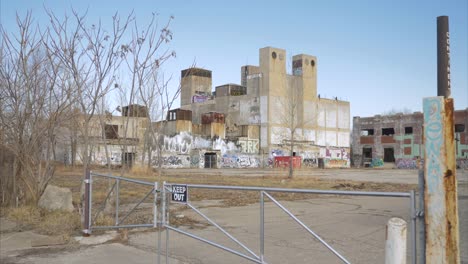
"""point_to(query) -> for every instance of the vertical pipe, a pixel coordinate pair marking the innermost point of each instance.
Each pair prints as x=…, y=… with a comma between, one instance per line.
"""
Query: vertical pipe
x=421, y=225
x=262, y=226
x=166, y=217
x=117, y=202
x=395, y=244
x=90, y=201
x=86, y=222
x=155, y=205
x=155, y=222
x=443, y=57
x=163, y=206
x=413, y=227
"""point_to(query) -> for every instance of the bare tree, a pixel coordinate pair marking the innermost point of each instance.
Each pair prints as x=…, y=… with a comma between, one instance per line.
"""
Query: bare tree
x=91, y=55
x=292, y=121
x=148, y=50
x=35, y=101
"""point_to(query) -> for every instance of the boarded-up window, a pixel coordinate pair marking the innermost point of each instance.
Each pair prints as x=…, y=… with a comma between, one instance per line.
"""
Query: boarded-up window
x=111, y=131
x=407, y=150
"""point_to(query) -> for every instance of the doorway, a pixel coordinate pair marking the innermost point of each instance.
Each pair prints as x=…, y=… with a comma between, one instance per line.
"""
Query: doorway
x=210, y=160
x=389, y=155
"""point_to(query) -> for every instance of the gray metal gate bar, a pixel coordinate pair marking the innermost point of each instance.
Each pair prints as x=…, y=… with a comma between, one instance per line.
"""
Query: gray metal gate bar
x=123, y=226
x=212, y=243
x=306, y=228
x=262, y=227
x=222, y=230
x=413, y=226
x=123, y=179
x=117, y=202
x=422, y=226
x=104, y=203
x=133, y=209
x=329, y=192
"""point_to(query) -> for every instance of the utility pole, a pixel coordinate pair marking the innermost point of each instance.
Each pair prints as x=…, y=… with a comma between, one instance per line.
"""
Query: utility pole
x=440, y=192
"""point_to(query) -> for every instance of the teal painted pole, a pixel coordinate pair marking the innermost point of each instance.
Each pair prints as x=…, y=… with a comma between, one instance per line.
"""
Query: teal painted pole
x=440, y=194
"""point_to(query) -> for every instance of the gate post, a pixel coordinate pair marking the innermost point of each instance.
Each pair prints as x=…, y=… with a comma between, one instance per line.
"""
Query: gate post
x=87, y=204
x=440, y=194
x=395, y=246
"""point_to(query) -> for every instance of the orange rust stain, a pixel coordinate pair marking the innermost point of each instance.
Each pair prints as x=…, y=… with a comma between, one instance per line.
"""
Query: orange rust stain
x=450, y=187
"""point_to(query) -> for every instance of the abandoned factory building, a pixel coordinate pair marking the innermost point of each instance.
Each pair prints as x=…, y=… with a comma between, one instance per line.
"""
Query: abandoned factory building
x=249, y=124
x=398, y=139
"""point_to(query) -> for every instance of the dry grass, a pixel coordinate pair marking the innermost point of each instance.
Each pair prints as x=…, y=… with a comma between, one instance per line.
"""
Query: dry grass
x=67, y=224
x=55, y=223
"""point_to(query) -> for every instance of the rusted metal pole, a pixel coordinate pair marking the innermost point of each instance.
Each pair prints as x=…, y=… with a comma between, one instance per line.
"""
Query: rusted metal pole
x=443, y=57
x=440, y=194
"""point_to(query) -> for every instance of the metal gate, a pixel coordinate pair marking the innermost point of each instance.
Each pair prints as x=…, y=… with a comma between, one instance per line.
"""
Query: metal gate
x=178, y=193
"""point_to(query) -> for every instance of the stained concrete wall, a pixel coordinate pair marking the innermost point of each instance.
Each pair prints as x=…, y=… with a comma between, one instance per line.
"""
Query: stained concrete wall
x=185, y=150
x=324, y=123
x=194, y=81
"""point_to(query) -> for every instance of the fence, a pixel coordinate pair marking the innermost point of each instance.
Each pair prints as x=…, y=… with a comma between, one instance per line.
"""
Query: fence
x=119, y=222
x=264, y=192
x=179, y=194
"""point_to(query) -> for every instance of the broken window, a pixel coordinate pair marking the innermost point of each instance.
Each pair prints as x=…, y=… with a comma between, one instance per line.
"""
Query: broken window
x=367, y=132
x=459, y=128
x=388, y=131
x=367, y=153
x=408, y=130
x=111, y=131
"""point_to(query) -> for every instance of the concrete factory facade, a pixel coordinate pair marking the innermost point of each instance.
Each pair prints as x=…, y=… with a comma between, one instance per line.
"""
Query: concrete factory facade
x=398, y=139
x=250, y=124
x=263, y=121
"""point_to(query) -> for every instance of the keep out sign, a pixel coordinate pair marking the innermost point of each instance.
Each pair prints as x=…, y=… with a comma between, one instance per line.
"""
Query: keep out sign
x=179, y=193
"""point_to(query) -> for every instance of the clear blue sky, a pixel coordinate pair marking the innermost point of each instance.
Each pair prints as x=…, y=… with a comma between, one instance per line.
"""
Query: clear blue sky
x=378, y=55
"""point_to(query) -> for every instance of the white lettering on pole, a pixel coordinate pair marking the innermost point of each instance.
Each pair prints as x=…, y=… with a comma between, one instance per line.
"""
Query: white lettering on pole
x=448, y=59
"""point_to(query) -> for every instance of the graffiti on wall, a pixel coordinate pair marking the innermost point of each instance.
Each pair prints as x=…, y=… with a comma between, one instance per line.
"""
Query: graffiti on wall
x=376, y=162
x=409, y=163
x=335, y=157
x=336, y=153
x=310, y=162
x=335, y=163
x=180, y=143
x=172, y=161
x=224, y=146
x=200, y=98
x=239, y=161
x=274, y=153
x=462, y=164
x=101, y=159
x=249, y=146
x=194, y=161
x=200, y=143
